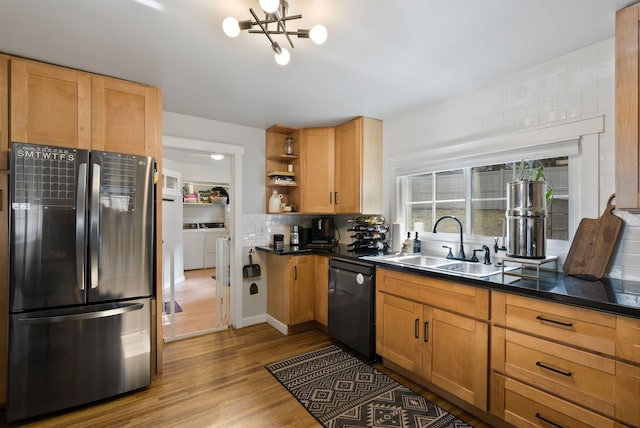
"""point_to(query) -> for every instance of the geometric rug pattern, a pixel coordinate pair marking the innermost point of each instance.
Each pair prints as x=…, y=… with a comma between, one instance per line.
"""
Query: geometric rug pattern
x=342, y=391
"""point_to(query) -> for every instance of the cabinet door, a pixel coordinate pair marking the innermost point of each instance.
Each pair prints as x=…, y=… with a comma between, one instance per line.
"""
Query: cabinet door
x=50, y=105
x=317, y=170
x=398, y=339
x=4, y=112
x=278, y=287
x=348, y=165
x=460, y=353
x=301, y=303
x=125, y=116
x=321, y=286
x=627, y=108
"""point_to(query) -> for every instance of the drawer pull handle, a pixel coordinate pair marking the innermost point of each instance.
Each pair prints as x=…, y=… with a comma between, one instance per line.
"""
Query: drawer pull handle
x=562, y=323
x=416, y=328
x=426, y=331
x=562, y=372
x=542, y=418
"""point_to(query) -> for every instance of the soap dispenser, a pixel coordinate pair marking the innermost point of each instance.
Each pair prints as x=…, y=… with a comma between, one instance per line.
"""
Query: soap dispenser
x=417, y=245
x=407, y=243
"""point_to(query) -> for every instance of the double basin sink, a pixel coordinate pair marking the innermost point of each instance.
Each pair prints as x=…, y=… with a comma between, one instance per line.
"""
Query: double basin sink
x=439, y=264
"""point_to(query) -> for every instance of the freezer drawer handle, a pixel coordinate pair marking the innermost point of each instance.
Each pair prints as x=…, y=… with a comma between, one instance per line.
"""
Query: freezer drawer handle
x=81, y=208
x=82, y=316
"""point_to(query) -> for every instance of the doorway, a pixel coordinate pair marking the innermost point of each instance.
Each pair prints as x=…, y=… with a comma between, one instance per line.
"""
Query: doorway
x=199, y=225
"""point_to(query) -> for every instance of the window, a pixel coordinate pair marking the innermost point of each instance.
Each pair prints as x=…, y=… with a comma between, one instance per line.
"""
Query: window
x=477, y=196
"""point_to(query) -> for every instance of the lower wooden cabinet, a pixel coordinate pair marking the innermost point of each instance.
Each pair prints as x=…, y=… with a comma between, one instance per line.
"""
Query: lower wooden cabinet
x=321, y=288
x=563, y=365
x=524, y=406
x=445, y=348
x=290, y=291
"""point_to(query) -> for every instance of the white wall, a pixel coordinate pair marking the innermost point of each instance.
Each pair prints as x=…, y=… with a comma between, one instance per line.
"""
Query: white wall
x=253, y=180
x=252, y=190
x=578, y=85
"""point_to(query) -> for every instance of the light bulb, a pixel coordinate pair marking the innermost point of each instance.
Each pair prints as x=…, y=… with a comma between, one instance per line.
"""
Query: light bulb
x=318, y=34
x=283, y=57
x=230, y=27
x=269, y=6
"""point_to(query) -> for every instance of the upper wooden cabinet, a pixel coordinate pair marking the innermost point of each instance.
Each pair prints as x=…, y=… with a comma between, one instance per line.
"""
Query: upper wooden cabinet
x=50, y=105
x=317, y=170
x=124, y=116
x=627, y=108
x=58, y=106
x=340, y=169
x=4, y=112
x=358, y=167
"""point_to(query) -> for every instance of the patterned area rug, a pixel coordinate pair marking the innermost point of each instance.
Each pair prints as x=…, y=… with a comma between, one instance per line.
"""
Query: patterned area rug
x=340, y=390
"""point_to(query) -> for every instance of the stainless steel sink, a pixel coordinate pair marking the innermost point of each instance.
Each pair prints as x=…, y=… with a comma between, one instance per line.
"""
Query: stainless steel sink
x=422, y=261
x=478, y=270
x=441, y=264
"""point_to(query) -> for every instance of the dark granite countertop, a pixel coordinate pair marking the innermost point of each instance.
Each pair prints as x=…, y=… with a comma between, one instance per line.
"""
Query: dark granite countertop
x=341, y=250
x=611, y=295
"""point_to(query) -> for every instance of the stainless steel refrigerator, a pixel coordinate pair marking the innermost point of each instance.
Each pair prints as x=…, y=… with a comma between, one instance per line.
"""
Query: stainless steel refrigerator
x=80, y=277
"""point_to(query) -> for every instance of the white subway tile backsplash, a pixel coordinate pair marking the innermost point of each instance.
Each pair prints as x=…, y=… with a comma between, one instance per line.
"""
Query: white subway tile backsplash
x=577, y=85
x=540, y=107
x=571, y=99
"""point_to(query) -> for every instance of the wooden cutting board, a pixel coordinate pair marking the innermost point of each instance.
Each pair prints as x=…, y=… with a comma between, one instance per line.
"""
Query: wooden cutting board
x=593, y=245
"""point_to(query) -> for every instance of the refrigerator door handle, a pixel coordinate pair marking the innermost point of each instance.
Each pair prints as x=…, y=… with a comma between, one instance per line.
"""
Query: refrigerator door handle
x=46, y=319
x=81, y=208
x=94, y=228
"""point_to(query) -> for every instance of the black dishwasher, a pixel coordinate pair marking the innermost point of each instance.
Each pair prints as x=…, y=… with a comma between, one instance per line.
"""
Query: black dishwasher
x=352, y=304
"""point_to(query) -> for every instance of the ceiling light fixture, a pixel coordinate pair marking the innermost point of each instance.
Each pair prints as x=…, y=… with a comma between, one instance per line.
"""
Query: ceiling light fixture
x=275, y=13
x=217, y=157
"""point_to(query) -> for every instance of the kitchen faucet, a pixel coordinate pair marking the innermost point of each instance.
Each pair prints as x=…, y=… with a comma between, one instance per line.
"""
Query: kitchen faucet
x=461, y=255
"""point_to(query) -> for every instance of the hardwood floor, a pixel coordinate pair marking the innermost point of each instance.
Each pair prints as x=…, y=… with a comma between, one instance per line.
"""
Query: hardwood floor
x=196, y=295
x=218, y=380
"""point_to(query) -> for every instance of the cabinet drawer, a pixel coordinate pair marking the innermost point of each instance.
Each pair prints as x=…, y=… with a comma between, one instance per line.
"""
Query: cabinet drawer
x=578, y=376
x=463, y=299
x=527, y=406
x=585, y=328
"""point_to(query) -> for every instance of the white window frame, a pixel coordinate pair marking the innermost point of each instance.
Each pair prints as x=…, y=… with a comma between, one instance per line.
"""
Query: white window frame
x=578, y=139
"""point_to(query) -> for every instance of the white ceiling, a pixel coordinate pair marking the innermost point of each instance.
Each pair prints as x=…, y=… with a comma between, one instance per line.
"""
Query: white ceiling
x=381, y=57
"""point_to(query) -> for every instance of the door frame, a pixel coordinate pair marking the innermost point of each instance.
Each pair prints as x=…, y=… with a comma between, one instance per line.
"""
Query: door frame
x=236, y=153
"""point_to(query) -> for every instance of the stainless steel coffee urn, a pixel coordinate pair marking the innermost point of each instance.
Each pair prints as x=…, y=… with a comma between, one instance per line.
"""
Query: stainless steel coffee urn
x=526, y=216
x=294, y=235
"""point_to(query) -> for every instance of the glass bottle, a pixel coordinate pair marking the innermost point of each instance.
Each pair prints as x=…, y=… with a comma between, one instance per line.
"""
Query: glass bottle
x=288, y=146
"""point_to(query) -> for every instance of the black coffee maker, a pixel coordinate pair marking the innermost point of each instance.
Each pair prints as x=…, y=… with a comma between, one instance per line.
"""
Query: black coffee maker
x=322, y=231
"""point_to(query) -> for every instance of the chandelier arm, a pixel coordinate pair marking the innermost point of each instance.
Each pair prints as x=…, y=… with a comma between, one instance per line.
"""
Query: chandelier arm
x=282, y=26
x=262, y=27
x=293, y=33
x=271, y=21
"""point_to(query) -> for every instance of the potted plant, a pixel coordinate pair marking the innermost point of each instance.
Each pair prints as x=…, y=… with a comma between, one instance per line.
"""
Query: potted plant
x=528, y=171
